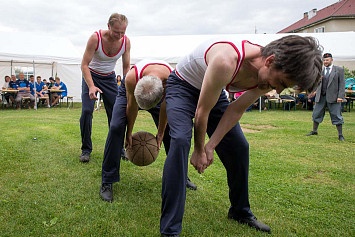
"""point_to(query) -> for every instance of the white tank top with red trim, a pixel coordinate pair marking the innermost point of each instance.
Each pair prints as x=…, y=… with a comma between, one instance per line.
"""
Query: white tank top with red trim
x=141, y=65
x=192, y=67
x=102, y=63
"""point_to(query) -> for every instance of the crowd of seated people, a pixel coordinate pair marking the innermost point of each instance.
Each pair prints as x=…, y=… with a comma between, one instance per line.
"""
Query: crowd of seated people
x=289, y=94
x=27, y=91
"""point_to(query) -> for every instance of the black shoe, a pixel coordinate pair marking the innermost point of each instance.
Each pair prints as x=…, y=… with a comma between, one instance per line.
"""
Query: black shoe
x=190, y=184
x=85, y=157
x=124, y=155
x=252, y=222
x=106, y=192
x=312, y=133
x=164, y=235
x=341, y=138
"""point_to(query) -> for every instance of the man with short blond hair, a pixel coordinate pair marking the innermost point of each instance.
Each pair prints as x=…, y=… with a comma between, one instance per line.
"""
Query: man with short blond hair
x=103, y=50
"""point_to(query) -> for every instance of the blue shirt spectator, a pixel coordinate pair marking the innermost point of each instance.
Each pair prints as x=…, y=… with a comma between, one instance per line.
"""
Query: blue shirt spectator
x=57, y=96
x=62, y=86
x=22, y=83
x=31, y=84
x=40, y=87
x=31, y=87
x=12, y=83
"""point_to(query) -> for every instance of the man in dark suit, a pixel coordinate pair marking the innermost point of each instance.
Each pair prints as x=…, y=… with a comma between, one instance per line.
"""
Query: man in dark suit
x=330, y=93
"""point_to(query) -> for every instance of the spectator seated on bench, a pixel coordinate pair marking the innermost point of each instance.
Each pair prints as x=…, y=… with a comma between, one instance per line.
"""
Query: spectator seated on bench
x=41, y=89
x=24, y=91
x=7, y=96
x=58, y=95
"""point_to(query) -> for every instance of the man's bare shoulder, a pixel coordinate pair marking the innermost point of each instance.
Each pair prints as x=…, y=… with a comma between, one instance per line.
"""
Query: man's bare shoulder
x=93, y=40
x=222, y=56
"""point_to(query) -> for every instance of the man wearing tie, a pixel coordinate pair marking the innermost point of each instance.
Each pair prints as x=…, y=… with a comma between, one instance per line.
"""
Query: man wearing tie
x=330, y=93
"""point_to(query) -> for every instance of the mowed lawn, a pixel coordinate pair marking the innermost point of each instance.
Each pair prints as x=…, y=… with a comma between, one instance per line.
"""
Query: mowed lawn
x=298, y=185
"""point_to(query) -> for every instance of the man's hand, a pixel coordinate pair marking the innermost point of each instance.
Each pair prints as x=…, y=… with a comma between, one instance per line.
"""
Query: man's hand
x=92, y=92
x=209, y=154
x=199, y=161
x=159, y=138
x=339, y=100
x=128, y=142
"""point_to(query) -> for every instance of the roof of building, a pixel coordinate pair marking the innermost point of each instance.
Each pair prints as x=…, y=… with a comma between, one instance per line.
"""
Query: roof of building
x=339, y=9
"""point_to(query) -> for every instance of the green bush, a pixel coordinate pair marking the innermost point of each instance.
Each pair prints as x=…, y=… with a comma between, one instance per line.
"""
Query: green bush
x=349, y=73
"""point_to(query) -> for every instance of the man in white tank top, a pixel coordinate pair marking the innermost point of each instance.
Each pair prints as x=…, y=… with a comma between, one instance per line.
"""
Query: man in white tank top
x=147, y=73
x=195, y=90
x=103, y=50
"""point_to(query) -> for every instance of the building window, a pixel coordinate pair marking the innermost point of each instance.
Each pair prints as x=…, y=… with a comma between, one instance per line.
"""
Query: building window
x=319, y=30
x=28, y=71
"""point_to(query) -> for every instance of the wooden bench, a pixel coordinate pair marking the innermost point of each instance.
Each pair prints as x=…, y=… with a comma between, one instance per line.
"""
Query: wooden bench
x=41, y=98
x=272, y=101
x=69, y=97
x=350, y=101
x=24, y=99
x=285, y=101
x=72, y=101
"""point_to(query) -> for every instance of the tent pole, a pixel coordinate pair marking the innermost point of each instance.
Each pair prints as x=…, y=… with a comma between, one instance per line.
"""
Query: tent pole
x=34, y=86
x=11, y=69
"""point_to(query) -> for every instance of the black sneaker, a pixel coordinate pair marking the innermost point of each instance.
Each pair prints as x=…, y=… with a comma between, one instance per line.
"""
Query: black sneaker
x=190, y=184
x=341, y=138
x=124, y=155
x=85, y=157
x=312, y=133
x=106, y=192
x=251, y=221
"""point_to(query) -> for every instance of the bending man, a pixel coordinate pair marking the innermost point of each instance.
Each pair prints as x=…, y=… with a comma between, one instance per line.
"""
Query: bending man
x=195, y=89
x=143, y=87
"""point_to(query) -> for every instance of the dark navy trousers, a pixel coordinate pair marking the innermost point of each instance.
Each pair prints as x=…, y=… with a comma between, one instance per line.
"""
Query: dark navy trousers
x=233, y=150
x=116, y=136
x=108, y=86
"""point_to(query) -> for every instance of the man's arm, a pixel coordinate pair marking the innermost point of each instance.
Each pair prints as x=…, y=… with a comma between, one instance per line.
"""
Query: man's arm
x=341, y=84
x=220, y=69
x=88, y=55
x=132, y=106
x=126, y=57
x=26, y=88
x=163, y=120
x=230, y=117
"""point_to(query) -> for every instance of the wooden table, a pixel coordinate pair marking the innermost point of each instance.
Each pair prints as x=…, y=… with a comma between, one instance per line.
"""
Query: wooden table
x=350, y=97
x=54, y=90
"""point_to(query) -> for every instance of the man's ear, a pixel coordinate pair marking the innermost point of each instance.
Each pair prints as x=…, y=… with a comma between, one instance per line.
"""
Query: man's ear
x=270, y=60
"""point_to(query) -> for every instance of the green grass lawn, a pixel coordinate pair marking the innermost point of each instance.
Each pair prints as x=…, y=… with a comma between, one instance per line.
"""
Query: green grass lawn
x=298, y=185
